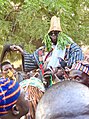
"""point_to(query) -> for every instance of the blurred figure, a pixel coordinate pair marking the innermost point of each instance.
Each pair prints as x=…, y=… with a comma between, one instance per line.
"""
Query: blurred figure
x=65, y=100
x=80, y=72
x=13, y=104
x=86, y=54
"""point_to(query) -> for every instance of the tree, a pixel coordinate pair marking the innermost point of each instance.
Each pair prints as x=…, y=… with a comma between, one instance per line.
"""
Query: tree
x=26, y=22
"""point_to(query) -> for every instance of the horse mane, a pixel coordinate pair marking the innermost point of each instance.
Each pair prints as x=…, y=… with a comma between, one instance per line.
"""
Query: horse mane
x=6, y=48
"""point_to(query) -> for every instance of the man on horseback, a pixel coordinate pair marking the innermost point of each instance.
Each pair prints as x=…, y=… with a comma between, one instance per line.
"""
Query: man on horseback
x=63, y=46
x=57, y=45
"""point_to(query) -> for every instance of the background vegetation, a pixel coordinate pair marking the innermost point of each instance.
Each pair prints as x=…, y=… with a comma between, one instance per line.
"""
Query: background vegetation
x=25, y=22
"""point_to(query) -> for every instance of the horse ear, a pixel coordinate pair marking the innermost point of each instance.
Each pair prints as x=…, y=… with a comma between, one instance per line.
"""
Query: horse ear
x=15, y=110
x=6, y=48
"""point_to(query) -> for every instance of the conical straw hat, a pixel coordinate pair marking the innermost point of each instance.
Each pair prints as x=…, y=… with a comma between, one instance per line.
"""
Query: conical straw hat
x=55, y=24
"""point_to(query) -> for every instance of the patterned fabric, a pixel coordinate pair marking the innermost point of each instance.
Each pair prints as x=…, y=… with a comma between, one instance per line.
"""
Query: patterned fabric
x=81, y=66
x=29, y=62
x=33, y=81
x=9, y=93
x=34, y=95
x=73, y=54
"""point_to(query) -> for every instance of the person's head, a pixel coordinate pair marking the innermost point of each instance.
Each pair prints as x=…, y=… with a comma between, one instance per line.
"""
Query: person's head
x=65, y=100
x=53, y=36
x=13, y=104
x=80, y=72
x=54, y=29
x=6, y=67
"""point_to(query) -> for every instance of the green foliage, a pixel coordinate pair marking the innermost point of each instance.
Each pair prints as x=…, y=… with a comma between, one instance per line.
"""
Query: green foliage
x=63, y=40
x=27, y=21
x=47, y=42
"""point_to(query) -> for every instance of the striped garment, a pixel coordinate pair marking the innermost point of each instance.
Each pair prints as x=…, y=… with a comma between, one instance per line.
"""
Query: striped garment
x=81, y=66
x=29, y=62
x=73, y=54
x=9, y=93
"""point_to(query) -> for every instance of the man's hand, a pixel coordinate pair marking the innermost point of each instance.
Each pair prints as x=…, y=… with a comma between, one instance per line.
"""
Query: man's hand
x=47, y=73
x=16, y=48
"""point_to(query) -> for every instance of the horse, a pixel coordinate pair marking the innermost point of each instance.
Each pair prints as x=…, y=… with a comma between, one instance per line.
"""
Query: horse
x=64, y=100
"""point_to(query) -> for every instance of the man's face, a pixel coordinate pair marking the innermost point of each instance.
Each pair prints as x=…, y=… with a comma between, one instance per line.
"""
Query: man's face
x=6, y=67
x=76, y=75
x=54, y=35
x=79, y=76
x=8, y=71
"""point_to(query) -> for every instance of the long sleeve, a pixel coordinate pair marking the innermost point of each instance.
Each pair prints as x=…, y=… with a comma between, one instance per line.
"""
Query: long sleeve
x=74, y=54
x=29, y=62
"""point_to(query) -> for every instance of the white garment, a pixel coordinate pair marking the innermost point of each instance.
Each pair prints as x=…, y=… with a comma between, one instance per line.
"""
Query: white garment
x=54, y=61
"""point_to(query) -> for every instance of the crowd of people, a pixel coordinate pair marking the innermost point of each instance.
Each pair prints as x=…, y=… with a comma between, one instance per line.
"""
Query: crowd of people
x=59, y=51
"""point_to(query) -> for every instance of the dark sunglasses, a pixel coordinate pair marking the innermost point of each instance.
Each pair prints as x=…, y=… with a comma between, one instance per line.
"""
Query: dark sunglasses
x=7, y=69
x=53, y=32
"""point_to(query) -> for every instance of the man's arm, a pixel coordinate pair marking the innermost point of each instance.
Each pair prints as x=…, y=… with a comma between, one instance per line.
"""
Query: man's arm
x=75, y=54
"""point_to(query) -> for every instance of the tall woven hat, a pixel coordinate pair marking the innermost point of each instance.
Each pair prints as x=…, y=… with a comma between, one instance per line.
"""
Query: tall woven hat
x=55, y=24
